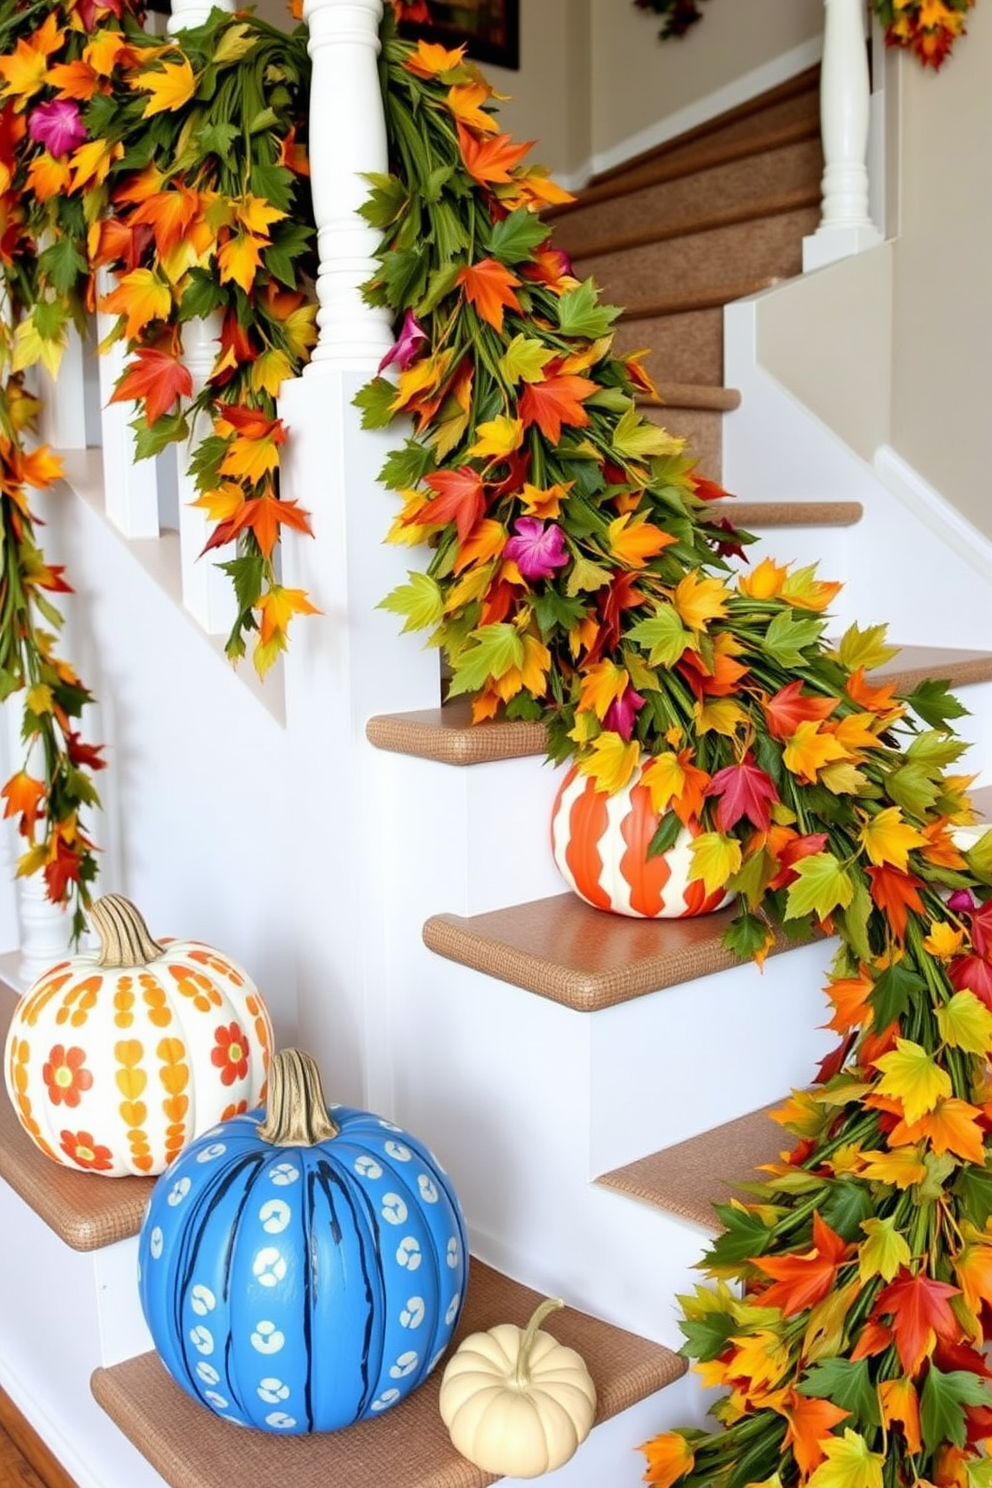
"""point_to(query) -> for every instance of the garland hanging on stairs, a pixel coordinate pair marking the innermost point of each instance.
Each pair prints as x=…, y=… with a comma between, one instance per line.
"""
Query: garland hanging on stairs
x=576, y=574
x=928, y=28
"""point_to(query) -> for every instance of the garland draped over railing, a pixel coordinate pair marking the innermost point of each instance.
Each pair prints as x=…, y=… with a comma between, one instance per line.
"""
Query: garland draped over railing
x=928, y=28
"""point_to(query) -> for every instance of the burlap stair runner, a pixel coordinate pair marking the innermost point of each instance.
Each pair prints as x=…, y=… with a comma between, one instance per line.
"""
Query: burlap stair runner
x=408, y=1447
x=690, y=1177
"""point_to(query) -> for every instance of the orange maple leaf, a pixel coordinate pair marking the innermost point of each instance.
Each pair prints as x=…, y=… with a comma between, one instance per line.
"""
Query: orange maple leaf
x=240, y=258
x=895, y=894
x=878, y=699
x=900, y=1403
x=810, y=1420
x=460, y=499
x=921, y=1313
x=278, y=606
x=556, y=401
x=952, y=1126
x=142, y=297
x=800, y=1280
x=849, y=996
x=786, y=709
x=169, y=214
x=23, y=796
x=491, y=159
x=670, y=1457
x=465, y=101
x=263, y=515
x=157, y=378
x=489, y=286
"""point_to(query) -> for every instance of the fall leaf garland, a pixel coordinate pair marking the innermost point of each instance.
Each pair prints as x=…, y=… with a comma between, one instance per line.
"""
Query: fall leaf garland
x=576, y=574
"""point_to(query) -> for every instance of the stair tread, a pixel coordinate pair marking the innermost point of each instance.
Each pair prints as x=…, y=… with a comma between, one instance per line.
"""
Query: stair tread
x=447, y=734
x=748, y=514
x=85, y=1210
x=709, y=297
x=688, y=1178
x=693, y=395
x=408, y=1447
x=736, y=215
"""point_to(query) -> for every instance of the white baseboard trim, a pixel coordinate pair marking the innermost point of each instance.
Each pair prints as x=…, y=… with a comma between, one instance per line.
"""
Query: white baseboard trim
x=731, y=95
x=933, y=509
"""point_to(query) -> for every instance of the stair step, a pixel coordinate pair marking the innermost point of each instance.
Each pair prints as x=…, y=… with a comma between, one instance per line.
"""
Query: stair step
x=749, y=514
x=689, y=1178
x=693, y=395
x=707, y=297
x=85, y=1210
x=685, y=345
x=736, y=214
x=448, y=736
x=562, y=949
x=702, y=430
x=408, y=1447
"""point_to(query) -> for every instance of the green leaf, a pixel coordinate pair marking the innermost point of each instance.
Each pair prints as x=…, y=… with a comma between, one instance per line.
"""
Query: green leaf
x=375, y=400
x=665, y=835
x=852, y=921
x=62, y=264
x=49, y=317
x=216, y=138
x=786, y=636
x=746, y=935
x=407, y=465
x=289, y=242
x=634, y=437
x=753, y=878
x=933, y=702
x=586, y=576
x=942, y=1405
x=440, y=283
x=167, y=429
x=744, y=1236
x=893, y=992
x=865, y=648
x=246, y=574
x=275, y=183
x=388, y=198
x=847, y=1385
x=202, y=295
x=912, y=788
x=664, y=633
x=581, y=314
x=524, y=360
x=980, y=858
x=822, y=884
x=846, y=1205
x=935, y=749
x=973, y=1187
x=514, y=239
x=497, y=648
x=404, y=275
x=421, y=602
x=707, y=1337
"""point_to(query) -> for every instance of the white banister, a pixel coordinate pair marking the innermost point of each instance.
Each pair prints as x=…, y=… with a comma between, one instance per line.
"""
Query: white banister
x=62, y=421
x=347, y=139
x=130, y=485
x=845, y=226
x=208, y=594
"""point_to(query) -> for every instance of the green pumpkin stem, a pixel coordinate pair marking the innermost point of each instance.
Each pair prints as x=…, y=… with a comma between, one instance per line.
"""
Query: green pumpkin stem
x=521, y=1373
x=124, y=937
x=296, y=1113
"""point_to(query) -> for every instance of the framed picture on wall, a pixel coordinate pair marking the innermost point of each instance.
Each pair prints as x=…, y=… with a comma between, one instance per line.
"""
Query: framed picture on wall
x=490, y=29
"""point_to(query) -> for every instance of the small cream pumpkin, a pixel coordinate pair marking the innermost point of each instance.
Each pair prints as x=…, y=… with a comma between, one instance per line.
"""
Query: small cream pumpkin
x=515, y=1401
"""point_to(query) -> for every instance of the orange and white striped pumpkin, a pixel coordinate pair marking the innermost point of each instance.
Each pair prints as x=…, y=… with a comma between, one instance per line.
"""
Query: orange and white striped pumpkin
x=117, y=1059
x=600, y=844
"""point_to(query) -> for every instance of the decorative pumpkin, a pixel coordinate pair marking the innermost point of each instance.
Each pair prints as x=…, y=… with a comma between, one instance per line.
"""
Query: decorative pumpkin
x=302, y=1271
x=600, y=844
x=515, y=1401
x=116, y=1058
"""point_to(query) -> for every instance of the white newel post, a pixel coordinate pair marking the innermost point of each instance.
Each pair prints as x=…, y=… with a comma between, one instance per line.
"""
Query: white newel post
x=349, y=662
x=846, y=226
x=130, y=485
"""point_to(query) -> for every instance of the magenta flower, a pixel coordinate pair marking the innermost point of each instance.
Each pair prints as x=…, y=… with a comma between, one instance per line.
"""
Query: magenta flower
x=622, y=712
x=538, y=548
x=403, y=351
x=57, y=126
x=961, y=901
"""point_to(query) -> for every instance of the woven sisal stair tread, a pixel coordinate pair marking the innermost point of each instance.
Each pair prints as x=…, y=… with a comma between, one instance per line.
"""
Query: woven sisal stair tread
x=408, y=1447
x=85, y=1210
x=748, y=514
x=693, y=395
x=709, y=297
x=448, y=736
x=689, y=1178
x=736, y=215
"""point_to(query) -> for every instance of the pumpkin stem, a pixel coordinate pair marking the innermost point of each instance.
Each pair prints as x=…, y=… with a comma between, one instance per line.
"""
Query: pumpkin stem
x=296, y=1113
x=124, y=936
x=521, y=1373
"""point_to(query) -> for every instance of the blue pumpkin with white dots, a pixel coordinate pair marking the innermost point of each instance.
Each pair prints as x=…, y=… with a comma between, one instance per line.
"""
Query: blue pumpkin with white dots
x=302, y=1269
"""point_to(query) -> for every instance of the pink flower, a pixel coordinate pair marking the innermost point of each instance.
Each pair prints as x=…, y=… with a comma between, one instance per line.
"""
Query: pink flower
x=538, y=548
x=57, y=125
x=621, y=713
x=406, y=345
x=961, y=901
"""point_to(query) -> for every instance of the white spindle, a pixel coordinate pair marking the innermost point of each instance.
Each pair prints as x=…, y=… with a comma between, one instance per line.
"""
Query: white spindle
x=62, y=423
x=845, y=226
x=189, y=13
x=207, y=593
x=45, y=929
x=347, y=138
x=130, y=484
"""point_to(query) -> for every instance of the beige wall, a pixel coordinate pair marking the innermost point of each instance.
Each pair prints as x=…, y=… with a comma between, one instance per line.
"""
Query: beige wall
x=942, y=346
x=551, y=93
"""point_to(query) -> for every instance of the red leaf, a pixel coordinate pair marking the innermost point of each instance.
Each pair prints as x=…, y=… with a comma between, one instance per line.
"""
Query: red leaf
x=788, y=709
x=556, y=401
x=744, y=790
x=920, y=1313
x=460, y=499
x=801, y=1280
x=157, y=379
x=895, y=894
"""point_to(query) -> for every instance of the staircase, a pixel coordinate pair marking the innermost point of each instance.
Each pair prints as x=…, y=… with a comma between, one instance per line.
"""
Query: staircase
x=593, y=1083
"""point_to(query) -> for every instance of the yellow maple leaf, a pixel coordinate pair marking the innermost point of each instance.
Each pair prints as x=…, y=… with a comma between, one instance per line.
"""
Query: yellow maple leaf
x=902, y=1167
x=221, y=503
x=973, y=1271
x=715, y=859
x=269, y=371
x=966, y=1023
x=635, y=541
x=91, y=163
x=944, y=941
x=24, y=70
x=808, y=750
x=719, y=716
x=664, y=777
x=849, y=1463
x=804, y=590
x=761, y=1357
x=40, y=699
x=530, y=674
x=170, y=87
x=899, y=1402
x=141, y=296
x=602, y=684
x=240, y=259
x=256, y=215
x=698, y=600
x=498, y=437
x=828, y=1321
x=611, y=762
x=544, y=502
x=911, y=1076
x=844, y=779
x=883, y=1250
x=277, y=607
x=764, y=582
x=465, y=101
x=888, y=838
x=29, y=348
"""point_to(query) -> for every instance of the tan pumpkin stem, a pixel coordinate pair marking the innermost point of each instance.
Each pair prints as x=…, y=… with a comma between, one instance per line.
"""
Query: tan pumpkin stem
x=296, y=1113
x=124, y=937
x=521, y=1374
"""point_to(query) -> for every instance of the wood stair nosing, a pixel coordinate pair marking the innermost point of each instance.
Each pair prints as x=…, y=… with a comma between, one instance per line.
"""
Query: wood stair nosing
x=713, y=297
x=749, y=514
x=447, y=735
x=688, y=1178
x=407, y=1445
x=805, y=82
x=674, y=168
x=693, y=395
x=737, y=215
